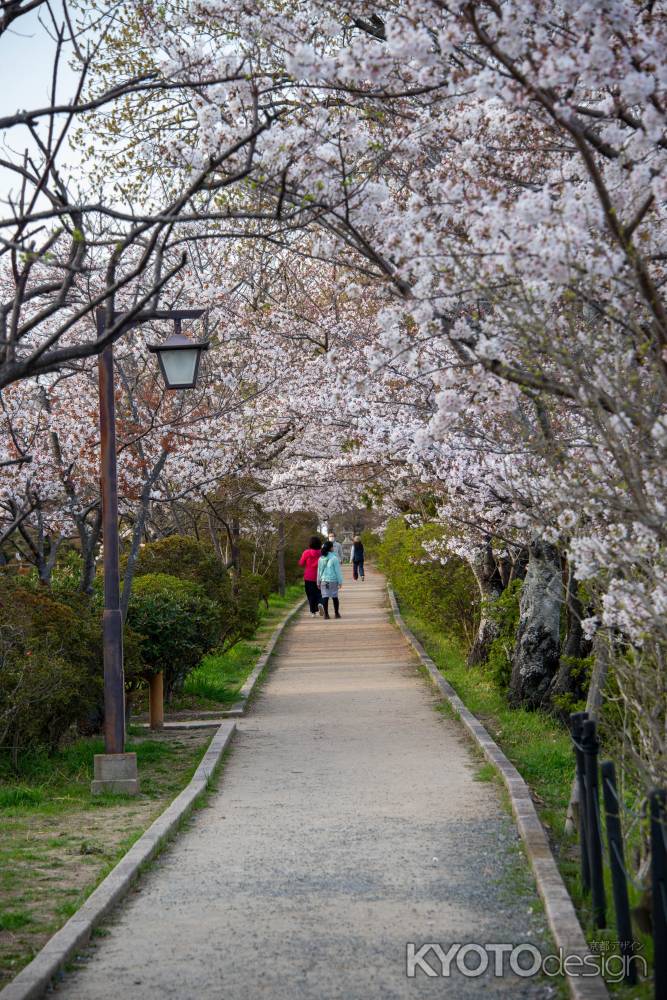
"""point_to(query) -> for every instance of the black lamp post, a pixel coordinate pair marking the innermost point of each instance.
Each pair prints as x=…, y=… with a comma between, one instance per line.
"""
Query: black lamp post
x=179, y=357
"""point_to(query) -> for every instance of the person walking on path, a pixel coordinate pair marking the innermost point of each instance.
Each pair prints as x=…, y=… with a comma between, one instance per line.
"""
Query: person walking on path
x=310, y=558
x=329, y=579
x=337, y=547
x=357, y=558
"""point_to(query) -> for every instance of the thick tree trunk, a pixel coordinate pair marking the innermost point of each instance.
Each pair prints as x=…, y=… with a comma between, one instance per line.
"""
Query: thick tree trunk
x=281, y=557
x=535, y=659
x=490, y=584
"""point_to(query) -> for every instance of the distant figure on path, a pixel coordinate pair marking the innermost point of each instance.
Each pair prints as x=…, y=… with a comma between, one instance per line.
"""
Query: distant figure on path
x=329, y=579
x=357, y=558
x=310, y=557
x=337, y=547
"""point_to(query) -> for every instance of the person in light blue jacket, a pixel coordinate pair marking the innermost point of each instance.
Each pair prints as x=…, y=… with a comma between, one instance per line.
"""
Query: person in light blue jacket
x=329, y=579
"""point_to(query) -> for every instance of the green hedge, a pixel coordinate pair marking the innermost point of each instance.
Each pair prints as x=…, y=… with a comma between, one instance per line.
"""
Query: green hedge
x=444, y=595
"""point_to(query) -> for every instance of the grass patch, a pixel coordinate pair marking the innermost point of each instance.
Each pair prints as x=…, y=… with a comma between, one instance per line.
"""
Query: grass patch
x=20, y=795
x=221, y=675
x=57, y=841
x=14, y=921
x=486, y=772
x=40, y=775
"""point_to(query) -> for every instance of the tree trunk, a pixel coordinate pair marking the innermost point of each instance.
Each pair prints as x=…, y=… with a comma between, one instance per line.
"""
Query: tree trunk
x=535, y=659
x=569, y=679
x=235, y=555
x=281, y=557
x=156, y=700
x=138, y=532
x=489, y=582
x=89, y=537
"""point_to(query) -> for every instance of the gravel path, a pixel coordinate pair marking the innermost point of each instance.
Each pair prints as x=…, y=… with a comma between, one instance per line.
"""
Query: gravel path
x=348, y=822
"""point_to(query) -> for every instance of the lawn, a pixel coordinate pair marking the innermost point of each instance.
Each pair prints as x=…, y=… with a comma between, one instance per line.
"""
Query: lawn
x=57, y=841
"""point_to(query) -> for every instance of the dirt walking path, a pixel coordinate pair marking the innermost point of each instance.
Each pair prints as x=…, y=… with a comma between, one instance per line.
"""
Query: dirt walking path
x=348, y=822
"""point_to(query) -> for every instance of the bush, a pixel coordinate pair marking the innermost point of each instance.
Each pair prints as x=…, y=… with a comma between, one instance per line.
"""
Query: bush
x=188, y=559
x=51, y=674
x=445, y=596
x=177, y=623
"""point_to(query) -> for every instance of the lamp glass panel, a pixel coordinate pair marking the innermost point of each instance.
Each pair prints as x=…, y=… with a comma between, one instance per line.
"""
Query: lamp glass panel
x=180, y=366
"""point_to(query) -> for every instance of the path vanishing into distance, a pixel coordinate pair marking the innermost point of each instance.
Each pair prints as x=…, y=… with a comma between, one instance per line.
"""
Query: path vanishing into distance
x=348, y=821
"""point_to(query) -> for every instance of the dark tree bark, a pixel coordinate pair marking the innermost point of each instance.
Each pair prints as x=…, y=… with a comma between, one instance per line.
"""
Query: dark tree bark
x=138, y=531
x=568, y=680
x=535, y=659
x=236, y=546
x=281, y=557
x=40, y=549
x=490, y=584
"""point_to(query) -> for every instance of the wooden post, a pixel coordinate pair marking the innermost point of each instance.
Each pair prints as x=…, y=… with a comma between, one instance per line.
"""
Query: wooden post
x=156, y=701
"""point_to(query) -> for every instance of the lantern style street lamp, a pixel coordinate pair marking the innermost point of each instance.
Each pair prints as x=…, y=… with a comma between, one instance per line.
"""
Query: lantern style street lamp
x=115, y=770
x=179, y=359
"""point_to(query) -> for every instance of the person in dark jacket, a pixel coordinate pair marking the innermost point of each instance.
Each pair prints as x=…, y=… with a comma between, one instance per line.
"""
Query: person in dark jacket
x=309, y=560
x=357, y=557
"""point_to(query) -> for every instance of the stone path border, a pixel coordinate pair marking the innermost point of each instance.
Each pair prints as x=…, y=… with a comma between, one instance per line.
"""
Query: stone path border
x=559, y=908
x=32, y=982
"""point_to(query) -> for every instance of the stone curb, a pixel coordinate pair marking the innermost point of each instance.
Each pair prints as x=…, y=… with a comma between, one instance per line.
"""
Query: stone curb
x=32, y=982
x=559, y=908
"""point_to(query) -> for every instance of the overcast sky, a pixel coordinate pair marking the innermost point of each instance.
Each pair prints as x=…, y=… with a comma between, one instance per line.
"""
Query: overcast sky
x=26, y=66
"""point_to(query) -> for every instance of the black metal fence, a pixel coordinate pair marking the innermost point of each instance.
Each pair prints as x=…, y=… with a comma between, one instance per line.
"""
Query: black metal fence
x=594, y=847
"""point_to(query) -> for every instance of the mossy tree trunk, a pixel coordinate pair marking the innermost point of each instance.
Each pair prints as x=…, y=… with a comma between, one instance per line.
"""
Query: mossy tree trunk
x=570, y=679
x=490, y=584
x=536, y=653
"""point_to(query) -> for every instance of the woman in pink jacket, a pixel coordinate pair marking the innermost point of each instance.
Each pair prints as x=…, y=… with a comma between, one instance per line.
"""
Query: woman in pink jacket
x=309, y=561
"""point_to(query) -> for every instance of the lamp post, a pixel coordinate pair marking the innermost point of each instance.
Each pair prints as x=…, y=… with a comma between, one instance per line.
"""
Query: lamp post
x=116, y=770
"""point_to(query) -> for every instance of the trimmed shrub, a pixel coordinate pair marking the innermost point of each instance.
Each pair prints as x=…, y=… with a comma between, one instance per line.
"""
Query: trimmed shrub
x=187, y=559
x=177, y=624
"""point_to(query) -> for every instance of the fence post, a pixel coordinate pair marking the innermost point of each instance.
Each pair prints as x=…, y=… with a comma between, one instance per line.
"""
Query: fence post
x=617, y=863
x=590, y=746
x=659, y=887
x=577, y=720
